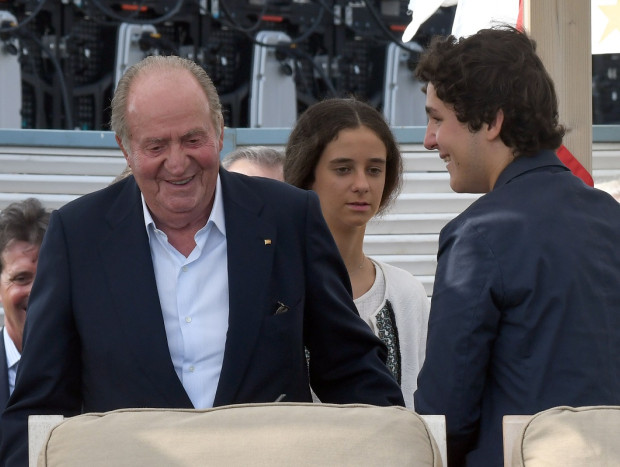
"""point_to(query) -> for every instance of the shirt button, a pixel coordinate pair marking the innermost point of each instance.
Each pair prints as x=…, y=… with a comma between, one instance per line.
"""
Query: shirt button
x=184, y=268
x=191, y=369
x=188, y=319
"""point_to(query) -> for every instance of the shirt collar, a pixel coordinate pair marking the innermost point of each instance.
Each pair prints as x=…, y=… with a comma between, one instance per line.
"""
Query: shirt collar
x=216, y=217
x=12, y=354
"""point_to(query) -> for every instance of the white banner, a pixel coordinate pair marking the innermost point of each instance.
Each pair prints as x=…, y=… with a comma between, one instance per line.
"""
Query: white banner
x=470, y=16
x=605, y=26
x=473, y=15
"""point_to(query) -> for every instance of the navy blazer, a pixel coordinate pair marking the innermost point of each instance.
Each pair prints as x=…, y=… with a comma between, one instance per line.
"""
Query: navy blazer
x=95, y=339
x=525, y=312
x=4, y=373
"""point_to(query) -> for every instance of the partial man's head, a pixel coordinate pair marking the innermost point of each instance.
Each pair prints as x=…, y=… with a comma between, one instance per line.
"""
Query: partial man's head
x=22, y=227
x=256, y=161
x=487, y=94
x=168, y=122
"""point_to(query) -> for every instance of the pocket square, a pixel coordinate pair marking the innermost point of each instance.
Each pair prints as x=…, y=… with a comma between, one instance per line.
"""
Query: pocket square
x=282, y=308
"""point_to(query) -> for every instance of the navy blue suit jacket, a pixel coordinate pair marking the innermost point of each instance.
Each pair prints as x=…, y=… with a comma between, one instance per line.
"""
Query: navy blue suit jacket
x=95, y=338
x=525, y=312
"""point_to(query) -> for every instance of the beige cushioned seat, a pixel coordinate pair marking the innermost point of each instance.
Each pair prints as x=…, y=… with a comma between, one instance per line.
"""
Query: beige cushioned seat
x=276, y=434
x=570, y=437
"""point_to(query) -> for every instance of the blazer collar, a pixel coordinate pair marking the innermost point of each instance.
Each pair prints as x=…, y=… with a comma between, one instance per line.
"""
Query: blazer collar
x=523, y=164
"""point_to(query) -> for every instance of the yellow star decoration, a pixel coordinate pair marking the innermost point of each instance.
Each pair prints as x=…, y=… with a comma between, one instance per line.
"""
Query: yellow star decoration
x=613, y=15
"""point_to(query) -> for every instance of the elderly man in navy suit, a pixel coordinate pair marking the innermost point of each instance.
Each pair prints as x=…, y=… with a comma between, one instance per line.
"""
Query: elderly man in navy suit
x=185, y=285
x=22, y=226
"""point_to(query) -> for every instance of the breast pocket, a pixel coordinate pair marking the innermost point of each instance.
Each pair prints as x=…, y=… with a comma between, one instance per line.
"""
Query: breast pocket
x=285, y=322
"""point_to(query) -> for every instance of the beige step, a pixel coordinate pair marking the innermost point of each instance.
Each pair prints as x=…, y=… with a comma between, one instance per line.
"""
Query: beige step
x=49, y=201
x=426, y=182
x=52, y=184
x=422, y=161
x=409, y=223
x=418, y=265
x=421, y=244
x=420, y=203
x=61, y=165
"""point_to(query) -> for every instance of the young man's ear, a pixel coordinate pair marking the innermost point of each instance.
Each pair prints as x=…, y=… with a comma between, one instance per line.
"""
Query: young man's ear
x=494, y=128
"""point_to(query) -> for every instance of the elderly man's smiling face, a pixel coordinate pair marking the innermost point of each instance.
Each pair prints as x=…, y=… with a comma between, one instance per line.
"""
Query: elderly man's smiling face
x=174, y=147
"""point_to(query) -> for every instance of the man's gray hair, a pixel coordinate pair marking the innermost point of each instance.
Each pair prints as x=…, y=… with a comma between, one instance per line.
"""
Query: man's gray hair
x=262, y=156
x=118, y=121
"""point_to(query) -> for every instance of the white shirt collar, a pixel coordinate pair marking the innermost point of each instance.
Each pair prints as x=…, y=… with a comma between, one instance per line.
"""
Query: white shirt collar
x=12, y=354
x=216, y=217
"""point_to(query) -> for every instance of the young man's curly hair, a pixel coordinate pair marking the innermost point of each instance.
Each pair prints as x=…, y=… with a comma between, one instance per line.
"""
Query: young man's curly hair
x=496, y=69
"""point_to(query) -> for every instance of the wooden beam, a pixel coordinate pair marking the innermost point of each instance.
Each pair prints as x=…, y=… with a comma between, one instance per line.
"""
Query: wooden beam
x=561, y=29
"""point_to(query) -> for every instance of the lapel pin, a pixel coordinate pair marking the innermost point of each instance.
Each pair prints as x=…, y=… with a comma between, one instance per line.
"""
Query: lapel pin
x=267, y=241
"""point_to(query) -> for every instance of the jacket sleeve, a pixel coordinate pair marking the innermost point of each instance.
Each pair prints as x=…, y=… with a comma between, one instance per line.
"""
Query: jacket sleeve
x=463, y=323
x=347, y=361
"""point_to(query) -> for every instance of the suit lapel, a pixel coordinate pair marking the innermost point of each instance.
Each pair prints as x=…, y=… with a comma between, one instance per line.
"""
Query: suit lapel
x=127, y=263
x=4, y=373
x=251, y=244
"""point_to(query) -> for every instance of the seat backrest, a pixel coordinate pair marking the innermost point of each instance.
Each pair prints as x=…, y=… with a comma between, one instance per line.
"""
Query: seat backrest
x=39, y=427
x=512, y=426
x=275, y=434
x=570, y=437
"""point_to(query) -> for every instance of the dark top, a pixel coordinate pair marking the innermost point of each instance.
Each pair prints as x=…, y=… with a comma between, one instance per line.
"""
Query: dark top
x=525, y=311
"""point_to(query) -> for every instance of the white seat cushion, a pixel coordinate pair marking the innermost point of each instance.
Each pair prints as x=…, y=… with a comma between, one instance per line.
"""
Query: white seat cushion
x=276, y=434
x=570, y=437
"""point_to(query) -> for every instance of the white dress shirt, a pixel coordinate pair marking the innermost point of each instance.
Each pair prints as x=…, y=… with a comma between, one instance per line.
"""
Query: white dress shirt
x=193, y=293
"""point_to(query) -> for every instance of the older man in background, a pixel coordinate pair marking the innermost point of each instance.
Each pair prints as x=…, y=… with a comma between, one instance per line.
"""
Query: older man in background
x=256, y=161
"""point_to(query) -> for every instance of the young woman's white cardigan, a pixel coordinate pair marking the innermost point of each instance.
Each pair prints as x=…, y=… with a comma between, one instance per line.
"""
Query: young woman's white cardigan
x=410, y=305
